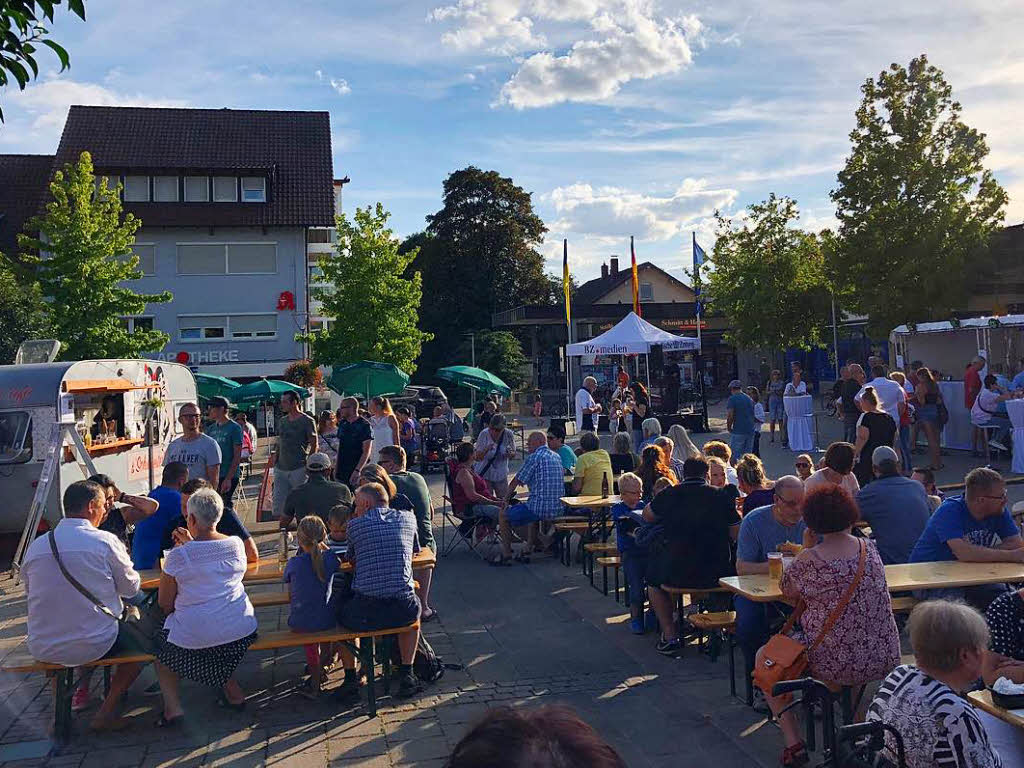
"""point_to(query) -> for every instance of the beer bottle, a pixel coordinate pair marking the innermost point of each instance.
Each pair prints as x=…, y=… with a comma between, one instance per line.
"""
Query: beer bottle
x=604, y=486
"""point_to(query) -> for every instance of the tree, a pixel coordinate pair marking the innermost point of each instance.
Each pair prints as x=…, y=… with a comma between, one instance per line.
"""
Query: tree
x=915, y=204
x=22, y=31
x=478, y=256
x=498, y=352
x=769, y=278
x=22, y=314
x=82, y=259
x=304, y=374
x=374, y=302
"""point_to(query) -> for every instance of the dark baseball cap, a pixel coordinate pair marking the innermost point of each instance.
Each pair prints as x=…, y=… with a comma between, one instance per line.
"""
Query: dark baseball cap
x=217, y=402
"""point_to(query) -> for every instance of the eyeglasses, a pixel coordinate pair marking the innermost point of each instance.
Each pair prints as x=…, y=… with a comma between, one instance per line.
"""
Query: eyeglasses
x=802, y=465
x=997, y=498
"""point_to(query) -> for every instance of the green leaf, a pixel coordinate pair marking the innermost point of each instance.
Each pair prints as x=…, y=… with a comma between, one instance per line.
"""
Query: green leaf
x=62, y=54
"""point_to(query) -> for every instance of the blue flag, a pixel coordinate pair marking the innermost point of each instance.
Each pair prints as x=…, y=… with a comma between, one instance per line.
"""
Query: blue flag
x=698, y=254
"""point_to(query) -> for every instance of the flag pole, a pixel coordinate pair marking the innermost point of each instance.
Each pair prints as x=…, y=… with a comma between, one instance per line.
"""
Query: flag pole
x=568, y=329
x=700, y=346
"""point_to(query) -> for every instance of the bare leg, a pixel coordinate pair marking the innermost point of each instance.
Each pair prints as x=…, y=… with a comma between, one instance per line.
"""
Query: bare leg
x=423, y=576
x=787, y=721
x=662, y=605
x=169, y=689
x=407, y=642
x=506, y=534
x=85, y=677
x=233, y=691
x=934, y=449
x=123, y=677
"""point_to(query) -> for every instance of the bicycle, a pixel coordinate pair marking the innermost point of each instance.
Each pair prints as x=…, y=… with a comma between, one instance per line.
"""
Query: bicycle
x=848, y=746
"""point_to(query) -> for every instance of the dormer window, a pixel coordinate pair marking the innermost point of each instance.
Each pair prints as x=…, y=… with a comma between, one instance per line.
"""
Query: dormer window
x=225, y=189
x=254, y=189
x=136, y=189
x=165, y=189
x=197, y=189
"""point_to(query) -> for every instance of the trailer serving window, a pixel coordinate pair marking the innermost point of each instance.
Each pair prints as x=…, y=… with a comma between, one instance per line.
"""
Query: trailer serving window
x=15, y=437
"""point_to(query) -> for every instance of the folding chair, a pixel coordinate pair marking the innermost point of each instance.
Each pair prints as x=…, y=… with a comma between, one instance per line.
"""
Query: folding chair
x=464, y=531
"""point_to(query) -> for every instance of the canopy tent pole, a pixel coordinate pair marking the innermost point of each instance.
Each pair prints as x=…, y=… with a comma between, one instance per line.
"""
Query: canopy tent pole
x=568, y=385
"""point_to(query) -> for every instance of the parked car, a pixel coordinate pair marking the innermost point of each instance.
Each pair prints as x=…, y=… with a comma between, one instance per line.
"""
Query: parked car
x=420, y=399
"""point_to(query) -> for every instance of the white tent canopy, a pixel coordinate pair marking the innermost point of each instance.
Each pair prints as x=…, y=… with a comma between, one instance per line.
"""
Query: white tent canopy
x=632, y=336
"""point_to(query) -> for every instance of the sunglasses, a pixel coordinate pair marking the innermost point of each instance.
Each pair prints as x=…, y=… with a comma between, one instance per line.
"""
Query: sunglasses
x=803, y=465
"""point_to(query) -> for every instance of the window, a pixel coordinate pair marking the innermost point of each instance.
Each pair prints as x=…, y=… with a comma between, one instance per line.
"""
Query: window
x=253, y=326
x=165, y=189
x=201, y=259
x=136, y=189
x=319, y=236
x=197, y=189
x=201, y=327
x=316, y=275
x=133, y=324
x=646, y=292
x=252, y=258
x=98, y=181
x=254, y=189
x=225, y=189
x=147, y=258
x=15, y=437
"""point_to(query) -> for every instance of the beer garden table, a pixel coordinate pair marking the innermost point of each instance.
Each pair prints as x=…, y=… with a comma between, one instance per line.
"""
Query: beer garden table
x=983, y=700
x=905, y=577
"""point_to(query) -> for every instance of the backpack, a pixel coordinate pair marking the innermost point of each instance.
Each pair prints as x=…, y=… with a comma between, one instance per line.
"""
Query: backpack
x=428, y=666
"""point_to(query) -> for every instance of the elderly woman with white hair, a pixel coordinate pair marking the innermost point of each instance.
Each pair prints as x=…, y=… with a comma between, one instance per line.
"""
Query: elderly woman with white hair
x=210, y=622
x=923, y=702
x=651, y=431
x=683, y=447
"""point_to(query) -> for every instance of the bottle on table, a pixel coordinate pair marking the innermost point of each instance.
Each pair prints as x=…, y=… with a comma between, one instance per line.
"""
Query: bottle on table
x=282, y=548
x=604, y=486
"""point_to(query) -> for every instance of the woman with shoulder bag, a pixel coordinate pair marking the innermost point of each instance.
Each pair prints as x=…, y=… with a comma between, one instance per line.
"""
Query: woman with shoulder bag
x=848, y=633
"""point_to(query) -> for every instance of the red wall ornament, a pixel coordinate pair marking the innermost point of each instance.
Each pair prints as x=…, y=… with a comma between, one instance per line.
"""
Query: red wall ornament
x=286, y=300
x=182, y=357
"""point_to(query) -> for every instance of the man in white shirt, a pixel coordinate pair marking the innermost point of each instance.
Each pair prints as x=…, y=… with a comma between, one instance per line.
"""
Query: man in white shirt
x=64, y=626
x=586, y=406
x=890, y=394
x=989, y=410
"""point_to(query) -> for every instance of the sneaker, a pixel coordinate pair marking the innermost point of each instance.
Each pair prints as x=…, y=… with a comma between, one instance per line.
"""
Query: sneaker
x=636, y=626
x=651, y=621
x=409, y=686
x=997, y=445
x=347, y=691
x=669, y=647
x=81, y=699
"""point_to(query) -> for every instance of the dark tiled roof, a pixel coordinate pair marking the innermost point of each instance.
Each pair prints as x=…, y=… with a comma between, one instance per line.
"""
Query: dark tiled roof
x=593, y=290
x=23, y=180
x=293, y=149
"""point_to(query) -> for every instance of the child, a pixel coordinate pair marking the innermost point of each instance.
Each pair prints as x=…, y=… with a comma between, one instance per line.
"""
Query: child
x=659, y=485
x=615, y=415
x=627, y=517
x=759, y=418
x=337, y=542
x=309, y=575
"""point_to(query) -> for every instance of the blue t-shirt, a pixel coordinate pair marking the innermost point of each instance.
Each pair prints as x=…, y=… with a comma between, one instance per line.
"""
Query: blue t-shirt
x=310, y=611
x=1018, y=381
x=149, y=532
x=742, y=408
x=761, y=533
x=952, y=520
x=568, y=457
x=227, y=436
x=623, y=540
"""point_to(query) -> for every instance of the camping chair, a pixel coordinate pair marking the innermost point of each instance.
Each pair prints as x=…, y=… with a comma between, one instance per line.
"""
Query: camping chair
x=465, y=531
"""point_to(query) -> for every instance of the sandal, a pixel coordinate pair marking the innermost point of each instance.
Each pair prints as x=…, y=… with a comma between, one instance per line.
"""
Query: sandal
x=222, y=701
x=429, y=617
x=795, y=755
x=173, y=722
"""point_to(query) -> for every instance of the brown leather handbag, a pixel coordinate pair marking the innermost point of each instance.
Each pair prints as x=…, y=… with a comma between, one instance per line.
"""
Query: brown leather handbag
x=784, y=658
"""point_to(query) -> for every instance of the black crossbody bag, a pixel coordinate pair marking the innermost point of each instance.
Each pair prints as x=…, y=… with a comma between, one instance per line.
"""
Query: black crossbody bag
x=142, y=630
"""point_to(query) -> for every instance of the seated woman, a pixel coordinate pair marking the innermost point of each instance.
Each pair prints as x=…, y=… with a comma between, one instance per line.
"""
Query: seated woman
x=666, y=445
x=862, y=644
x=838, y=470
x=375, y=473
x=622, y=456
x=724, y=452
x=652, y=468
x=717, y=476
x=471, y=496
x=210, y=622
x=923, y=702
x=593, y=467
x=683, y=447
x=651, y=429
x=758, y=490
x=1005, y=617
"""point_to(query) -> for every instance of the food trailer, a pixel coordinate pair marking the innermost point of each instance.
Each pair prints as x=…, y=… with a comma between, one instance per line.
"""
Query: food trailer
x=125, y=411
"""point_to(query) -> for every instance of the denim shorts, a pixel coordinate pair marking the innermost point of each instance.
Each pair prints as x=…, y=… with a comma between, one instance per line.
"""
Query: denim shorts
x=776, y=409
x=520, y=514
x=928, y=413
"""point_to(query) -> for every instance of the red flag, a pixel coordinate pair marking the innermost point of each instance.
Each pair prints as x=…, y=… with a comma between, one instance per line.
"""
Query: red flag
x=636, y=284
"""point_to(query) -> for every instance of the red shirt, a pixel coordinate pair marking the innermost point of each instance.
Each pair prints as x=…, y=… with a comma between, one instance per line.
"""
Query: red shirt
x=972, y=386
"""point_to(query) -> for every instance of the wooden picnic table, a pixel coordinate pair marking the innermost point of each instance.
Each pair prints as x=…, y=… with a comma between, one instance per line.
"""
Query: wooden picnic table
x=905, y=577
x=983, y=700
x=590, y=502
x=269, y=569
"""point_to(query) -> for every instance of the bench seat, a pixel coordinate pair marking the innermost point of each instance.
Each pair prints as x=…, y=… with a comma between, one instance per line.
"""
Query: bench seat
x=903, y=604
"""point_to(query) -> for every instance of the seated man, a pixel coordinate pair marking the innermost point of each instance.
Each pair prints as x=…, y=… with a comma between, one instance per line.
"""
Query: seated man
x=593, y=467
x=64, y=626
x=230, y=524
x=765, y=530
x=926, y=477
x=542, y=474
x=317, y=495
x=975, y=528
x=149, y=531
x=894, y=506
x=700, y=522
x=381, y=542
x=627, y=516
x=556, y=442
x=666, y=445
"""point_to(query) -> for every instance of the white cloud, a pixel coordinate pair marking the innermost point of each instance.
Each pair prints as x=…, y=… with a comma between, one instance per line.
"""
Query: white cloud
x=340, y=85
x=481, y=22
x=613, y=212
x=37, y=114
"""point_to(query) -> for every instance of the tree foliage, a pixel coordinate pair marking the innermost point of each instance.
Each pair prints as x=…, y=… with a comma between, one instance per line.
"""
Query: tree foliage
x=21, y=34
x=915, y=203
x=769, y=278
x=498, y=352
x=82, y=259
x=371, y=296
x=478, y=256
x=22, y=314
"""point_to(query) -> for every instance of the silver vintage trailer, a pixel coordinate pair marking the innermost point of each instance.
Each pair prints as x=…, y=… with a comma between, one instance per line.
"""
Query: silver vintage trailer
x=124, y=410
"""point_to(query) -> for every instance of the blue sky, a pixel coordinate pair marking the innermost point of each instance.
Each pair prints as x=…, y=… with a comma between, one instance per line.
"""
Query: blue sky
x=620, y=116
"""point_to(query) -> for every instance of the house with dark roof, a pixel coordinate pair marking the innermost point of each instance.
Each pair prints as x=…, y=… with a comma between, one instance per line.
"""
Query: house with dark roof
x=23, y=180
x=597, y=305
x=226, y=198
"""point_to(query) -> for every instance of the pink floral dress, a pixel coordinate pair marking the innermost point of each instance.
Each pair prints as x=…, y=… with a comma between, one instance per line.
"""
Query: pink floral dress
x=864, y=643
